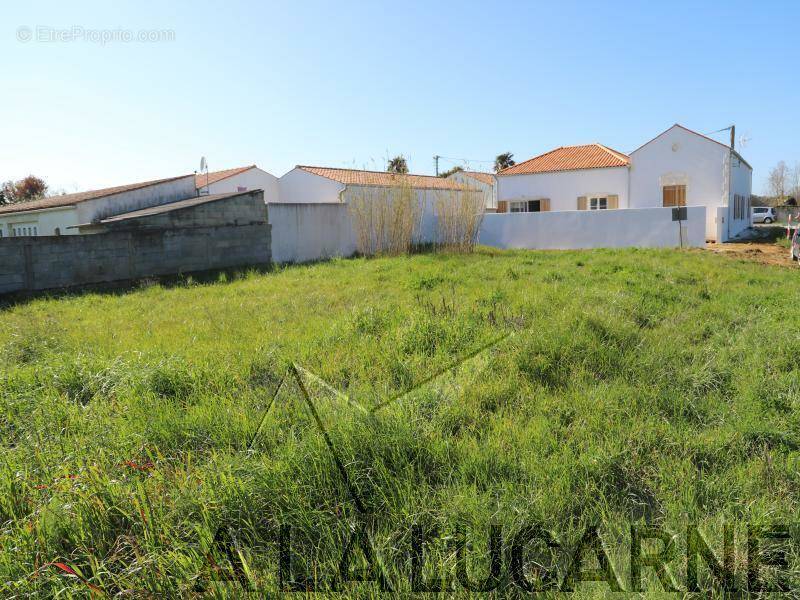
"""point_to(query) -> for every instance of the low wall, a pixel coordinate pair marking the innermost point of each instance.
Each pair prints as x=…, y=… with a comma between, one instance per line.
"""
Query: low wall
x=40, y=263
x=303, y=232
x=640, y=227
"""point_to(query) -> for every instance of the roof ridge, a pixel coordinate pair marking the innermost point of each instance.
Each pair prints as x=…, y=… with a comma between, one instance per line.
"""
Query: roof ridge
x=364, y=171
x=616, y=153
x=534, y=158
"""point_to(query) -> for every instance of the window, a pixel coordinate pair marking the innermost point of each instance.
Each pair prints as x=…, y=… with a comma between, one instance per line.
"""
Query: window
x=741, y=207
x=241, y=188
x=24, y=230
x=598, y=203
x=674, y=195
x=527, y=206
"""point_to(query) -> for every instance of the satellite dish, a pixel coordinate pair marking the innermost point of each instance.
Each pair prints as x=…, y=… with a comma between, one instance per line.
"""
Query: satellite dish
x=203, y=164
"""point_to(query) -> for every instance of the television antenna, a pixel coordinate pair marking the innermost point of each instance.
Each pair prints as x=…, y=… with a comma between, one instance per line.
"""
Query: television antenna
x=744, y=139
x=204, y=168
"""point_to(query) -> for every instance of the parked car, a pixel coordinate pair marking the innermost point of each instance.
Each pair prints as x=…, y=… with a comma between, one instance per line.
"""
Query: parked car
x=763, y=214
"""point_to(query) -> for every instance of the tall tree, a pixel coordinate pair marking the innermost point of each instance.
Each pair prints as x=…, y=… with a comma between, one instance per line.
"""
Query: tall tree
x=778, y=178
x=503, y=161
x=398, y=164
x=24, y=190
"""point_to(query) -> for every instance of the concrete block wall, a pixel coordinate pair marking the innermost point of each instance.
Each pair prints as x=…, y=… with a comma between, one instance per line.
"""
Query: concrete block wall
x=32, y=264
x=244, y=209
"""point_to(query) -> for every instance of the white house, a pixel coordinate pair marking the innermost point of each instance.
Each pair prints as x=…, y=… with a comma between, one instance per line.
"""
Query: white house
x=60, y=215
x=240, y=179
x=485, y=182
x=590, y=177
x=679, y=167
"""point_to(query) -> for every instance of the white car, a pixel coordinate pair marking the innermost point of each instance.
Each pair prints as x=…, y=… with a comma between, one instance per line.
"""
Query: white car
x=763, y=214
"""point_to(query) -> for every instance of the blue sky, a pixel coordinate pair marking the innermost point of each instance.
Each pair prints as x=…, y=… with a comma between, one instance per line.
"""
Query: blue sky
x=346, y=84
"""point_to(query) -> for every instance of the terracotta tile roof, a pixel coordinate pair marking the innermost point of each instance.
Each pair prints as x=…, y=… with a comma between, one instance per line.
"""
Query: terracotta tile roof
x=214, y=176
x=73, y=199
x=569, y=158
x=383, y=179
x=487, y=178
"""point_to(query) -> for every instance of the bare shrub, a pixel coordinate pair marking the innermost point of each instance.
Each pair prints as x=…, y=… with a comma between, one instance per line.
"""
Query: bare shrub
x=386, y=220
x=459, y=214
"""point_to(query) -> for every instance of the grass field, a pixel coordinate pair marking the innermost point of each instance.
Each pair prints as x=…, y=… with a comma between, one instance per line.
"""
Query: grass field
x=636, y=387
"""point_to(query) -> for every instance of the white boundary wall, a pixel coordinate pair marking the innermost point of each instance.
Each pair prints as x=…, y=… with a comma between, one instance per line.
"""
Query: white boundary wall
x=640, y=227
x=310, y=231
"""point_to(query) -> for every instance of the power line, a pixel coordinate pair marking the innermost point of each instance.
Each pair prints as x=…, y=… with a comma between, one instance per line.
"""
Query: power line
x=466, y=159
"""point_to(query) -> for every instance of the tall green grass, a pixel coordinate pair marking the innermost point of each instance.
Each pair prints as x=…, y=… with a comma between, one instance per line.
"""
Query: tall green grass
x=644, y=387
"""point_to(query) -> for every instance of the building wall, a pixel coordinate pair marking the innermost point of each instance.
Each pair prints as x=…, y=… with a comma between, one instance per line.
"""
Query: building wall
x=50, y=221
x=246, y=208
x=63, y=220
x=304, y=232
x=563, y=188
x=642, y=227
x=301, y=186
x=230, y=232
x=252, y=179
x=741, y=184
x=680, y=157
x=489, y=191
x=152, y=195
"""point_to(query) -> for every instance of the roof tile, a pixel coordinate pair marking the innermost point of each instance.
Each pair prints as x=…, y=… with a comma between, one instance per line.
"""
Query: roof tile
x=569, y=158
x=203, y=179
x=383, y=179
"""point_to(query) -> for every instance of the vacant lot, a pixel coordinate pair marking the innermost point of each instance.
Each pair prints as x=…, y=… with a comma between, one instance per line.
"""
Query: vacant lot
x=647, y=388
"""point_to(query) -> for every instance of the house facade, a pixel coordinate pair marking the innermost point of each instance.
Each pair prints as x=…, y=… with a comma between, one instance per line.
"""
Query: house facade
x=61, y=215
x=679, y=167
x=587, y=177
x=240, y=179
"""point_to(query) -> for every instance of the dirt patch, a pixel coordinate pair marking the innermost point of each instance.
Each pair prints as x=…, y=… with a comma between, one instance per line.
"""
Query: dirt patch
x=760, y=252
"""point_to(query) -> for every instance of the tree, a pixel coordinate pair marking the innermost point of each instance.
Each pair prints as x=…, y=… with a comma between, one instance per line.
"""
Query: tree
x=503, y=161
x=777, y=179
x=793, y=181
x=449, y=172
x=24, y=190
x=397, y=164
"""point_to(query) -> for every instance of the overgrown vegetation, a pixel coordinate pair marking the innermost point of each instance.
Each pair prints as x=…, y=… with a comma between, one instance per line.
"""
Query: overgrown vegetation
x=459, y=214
x=649, y=387
x=386, y=220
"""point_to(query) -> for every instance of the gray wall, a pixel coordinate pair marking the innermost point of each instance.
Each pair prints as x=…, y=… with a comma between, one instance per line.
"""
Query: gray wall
x=246, y=208
x=222, y=234
x=152, y=195
x=303, y=232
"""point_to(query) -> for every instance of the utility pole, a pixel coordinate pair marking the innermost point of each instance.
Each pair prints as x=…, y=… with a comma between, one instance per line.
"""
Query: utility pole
x=436, y=163
x=733, y=136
